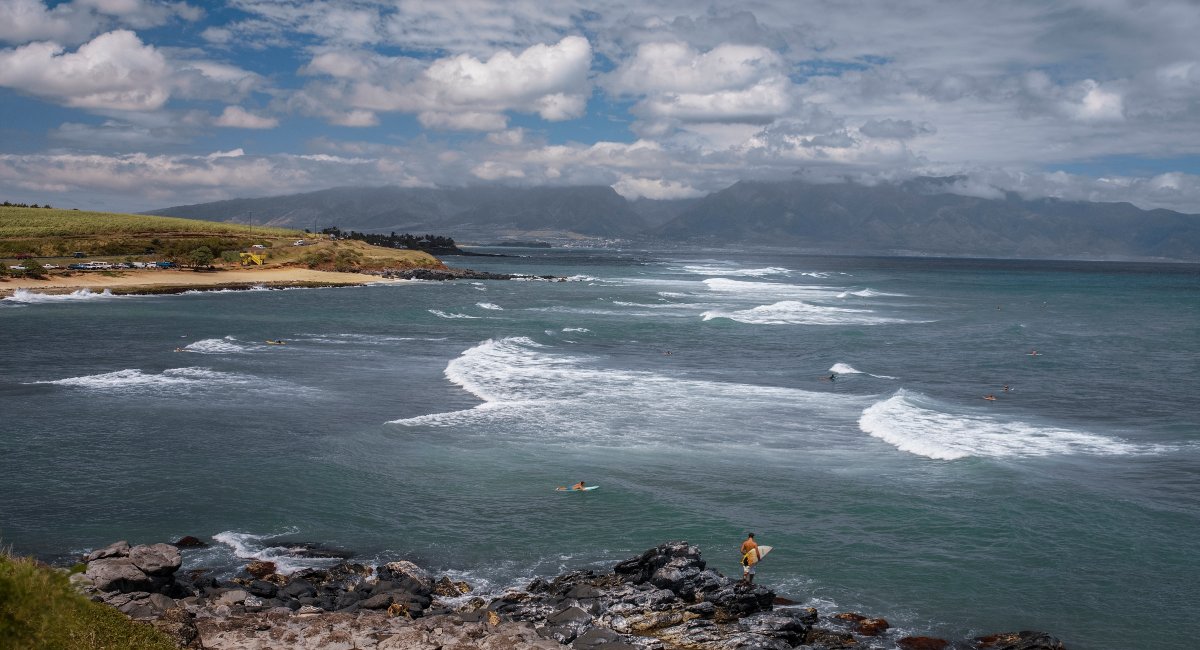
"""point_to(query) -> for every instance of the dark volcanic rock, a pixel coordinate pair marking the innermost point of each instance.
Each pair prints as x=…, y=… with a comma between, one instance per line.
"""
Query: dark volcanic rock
x=1019, y=641
x=189, y=542
x=922, y=643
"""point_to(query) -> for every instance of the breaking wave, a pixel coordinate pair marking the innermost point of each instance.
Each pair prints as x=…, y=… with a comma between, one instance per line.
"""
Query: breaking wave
x=795, y=312
x=919, y=425
x=226, y=345
x=846, y=369
x=489, y=305
x=441, y=314
x=32, y=297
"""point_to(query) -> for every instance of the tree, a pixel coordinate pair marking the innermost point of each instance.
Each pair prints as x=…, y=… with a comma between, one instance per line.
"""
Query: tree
x=231, y=257
x=202, y=256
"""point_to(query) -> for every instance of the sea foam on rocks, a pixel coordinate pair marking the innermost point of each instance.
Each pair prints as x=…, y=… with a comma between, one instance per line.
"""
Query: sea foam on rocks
x=664, y=599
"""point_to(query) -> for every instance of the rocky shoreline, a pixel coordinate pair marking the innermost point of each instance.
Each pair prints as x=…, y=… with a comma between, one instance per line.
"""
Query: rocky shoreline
x=663, y=599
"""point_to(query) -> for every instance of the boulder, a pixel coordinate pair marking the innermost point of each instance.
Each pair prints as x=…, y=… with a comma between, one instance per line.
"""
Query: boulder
x=785, y=626
x=298, y=589
x=378, y=601
x=408, y=576
x=260, y=568
x=117, y=574
x=922, y=643
x=233, y=597
x=262, y=589
x=1019, y=641
x=680, y=555
x=448, y=588
x=156, y=559
x=599, y=638
x=873, y=626
x=116, y=549
x=188, y=541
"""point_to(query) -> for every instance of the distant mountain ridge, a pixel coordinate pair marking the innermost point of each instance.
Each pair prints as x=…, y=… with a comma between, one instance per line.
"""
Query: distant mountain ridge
x=922, y=216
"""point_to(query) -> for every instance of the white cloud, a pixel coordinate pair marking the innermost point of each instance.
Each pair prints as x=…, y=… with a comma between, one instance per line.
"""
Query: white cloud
x=22, y=21
x=465, y=121
x=113, y=71
x=654, y=188
x=458, y=92
x=239, y=118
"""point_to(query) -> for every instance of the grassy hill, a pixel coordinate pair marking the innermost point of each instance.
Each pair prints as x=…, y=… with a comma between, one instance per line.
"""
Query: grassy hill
x=45, y=233
x=39, y=609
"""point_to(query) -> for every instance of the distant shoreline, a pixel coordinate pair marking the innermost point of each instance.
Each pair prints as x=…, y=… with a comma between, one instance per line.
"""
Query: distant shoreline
x=161, y=281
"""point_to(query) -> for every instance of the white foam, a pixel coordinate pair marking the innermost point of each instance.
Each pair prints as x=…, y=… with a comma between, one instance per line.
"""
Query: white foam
x=441, y=314
x=532, y=392
x=795, y=312
x=489, y=305
x=847, y=369
x=769, y=289
x=576, y=329
x=869, y=293
x=730, y=270
x=287, y=558
x=171, y=381
x=919, y=425
x=257, y=287
x=32, y=297
x=226, y=345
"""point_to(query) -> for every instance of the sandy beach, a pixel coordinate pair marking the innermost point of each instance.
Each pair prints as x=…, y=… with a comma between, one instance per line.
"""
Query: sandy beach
x=156, y=280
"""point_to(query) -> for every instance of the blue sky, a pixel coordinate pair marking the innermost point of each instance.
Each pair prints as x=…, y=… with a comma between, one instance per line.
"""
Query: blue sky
x=138, y=104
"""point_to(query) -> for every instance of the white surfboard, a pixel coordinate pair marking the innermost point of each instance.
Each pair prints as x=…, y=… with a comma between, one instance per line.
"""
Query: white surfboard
x=753, y=558
x=585, y=489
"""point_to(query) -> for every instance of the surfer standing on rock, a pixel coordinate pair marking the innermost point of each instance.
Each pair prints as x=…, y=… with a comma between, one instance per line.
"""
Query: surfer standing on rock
x=749, y=547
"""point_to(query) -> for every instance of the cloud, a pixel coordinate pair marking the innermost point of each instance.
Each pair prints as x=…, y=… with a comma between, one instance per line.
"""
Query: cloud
x=113, y=71
x=654, y=188
x=239, y=118
x=895, y=129
x=25, y=21
x=459, y=92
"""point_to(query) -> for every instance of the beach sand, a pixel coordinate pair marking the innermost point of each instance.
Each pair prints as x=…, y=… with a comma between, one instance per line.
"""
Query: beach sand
x=161, y=280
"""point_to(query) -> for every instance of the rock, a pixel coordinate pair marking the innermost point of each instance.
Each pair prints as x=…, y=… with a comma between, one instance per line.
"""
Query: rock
x=190, y=542
x=922, y=643
x=116, y=549
x=747, y=641
x=599, y=638
x=680, y=555
x=117, y=574
x=298, y=589
x=262, y=589
x=178, y=624
x=409, y=576
x=785, y=626
x=872, y=626
x=694, y=633
x=448, y=588
x=828, y=639
x=162, y=603
x=260, y=569
x=233, y=597
x=156, y=559
x=378, y=601
x=1019, y=641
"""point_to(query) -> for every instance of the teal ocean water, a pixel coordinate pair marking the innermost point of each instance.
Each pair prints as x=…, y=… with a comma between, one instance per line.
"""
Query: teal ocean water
x=431, y=421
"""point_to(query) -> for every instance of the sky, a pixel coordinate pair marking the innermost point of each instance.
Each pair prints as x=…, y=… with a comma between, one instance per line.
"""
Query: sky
x=133, y=105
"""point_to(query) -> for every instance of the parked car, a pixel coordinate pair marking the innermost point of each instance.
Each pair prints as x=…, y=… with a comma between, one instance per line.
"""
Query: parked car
x=78, y=266
x=165, y=265
x=49, y=267
x=16, y=267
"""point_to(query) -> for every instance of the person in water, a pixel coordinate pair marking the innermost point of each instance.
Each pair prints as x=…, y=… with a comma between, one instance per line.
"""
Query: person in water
x=990, y=397
x=749, y=546
x=1006, y=388
x=833, y=376
x=578, y=486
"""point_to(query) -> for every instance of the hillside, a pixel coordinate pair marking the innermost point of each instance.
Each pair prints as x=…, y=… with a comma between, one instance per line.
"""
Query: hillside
x=50, y=234
x=922, y=216
x=478, y=212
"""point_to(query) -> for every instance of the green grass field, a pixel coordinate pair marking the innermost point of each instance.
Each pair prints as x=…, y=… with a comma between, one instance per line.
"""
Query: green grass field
x=24, y=223
x=40, y=611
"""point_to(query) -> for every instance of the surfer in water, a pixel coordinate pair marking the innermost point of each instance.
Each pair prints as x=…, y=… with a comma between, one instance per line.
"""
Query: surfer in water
x=989, y=397
x=578, y=486
x=748, y=546
x=833, y=376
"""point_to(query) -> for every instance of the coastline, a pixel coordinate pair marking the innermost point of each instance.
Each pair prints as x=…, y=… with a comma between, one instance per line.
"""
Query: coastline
x=665, y=598
x=165, y=281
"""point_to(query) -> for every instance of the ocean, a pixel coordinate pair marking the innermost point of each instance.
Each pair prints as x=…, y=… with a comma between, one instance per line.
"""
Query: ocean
x=432, y=421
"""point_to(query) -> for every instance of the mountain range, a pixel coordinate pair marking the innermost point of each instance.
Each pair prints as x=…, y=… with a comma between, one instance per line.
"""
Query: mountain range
x=922, y=216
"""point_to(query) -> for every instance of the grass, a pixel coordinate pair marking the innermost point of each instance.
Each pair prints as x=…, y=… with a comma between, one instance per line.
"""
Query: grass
x=21, y=223
x=40, y=611
x=52, y=233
